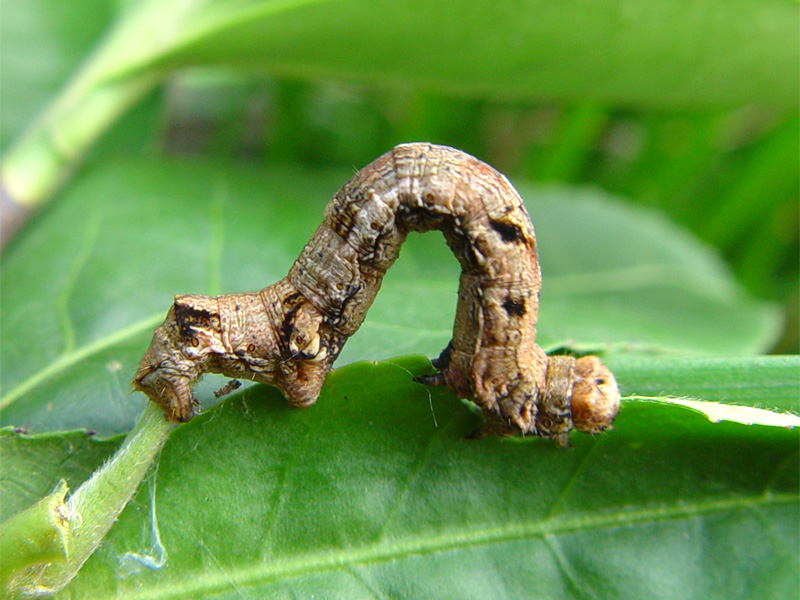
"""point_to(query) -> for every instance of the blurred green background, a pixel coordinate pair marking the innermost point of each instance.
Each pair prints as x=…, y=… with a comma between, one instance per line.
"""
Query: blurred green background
x=730, y=175
x=688, y=109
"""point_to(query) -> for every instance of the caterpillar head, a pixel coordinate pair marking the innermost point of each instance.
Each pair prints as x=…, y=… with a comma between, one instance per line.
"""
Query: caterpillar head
x=166, y=377
x=595, y=396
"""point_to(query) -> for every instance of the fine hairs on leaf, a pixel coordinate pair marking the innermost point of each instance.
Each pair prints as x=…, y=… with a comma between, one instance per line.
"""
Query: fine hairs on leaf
x=290, y=333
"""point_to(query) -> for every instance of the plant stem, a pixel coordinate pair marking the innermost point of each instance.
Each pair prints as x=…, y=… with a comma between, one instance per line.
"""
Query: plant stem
x=35, y=536
x=96, y=504
x=45, y=155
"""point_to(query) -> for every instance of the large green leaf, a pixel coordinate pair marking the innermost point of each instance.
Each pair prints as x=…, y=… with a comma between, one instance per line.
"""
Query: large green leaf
x=375, y=492
x=659, y=53
x=84, y=289
x=712, y=52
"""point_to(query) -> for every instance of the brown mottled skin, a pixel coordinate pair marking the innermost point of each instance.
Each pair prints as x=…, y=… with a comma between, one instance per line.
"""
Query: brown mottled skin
x=289, y=334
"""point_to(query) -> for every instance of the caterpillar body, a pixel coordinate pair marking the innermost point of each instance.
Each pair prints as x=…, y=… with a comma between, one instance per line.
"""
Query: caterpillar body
x=290, y=333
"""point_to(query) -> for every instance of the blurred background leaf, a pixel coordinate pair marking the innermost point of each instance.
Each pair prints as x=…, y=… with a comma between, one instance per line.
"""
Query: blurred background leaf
x=694, y=112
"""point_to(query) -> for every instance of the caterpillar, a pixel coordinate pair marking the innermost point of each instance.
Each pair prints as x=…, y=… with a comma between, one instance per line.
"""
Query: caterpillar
x=289, y=334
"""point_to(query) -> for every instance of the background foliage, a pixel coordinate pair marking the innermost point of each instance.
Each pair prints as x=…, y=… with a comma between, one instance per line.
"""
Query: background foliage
x=189, y=147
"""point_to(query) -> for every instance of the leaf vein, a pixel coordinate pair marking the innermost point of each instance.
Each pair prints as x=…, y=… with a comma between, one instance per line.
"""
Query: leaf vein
x=499, y=534
x=69, y=359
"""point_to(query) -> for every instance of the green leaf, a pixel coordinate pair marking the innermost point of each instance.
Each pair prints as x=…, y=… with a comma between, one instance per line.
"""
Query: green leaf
x=376, y=492
x=658, y=52
x=769, y=382
x=661, y=53
x=83, y=291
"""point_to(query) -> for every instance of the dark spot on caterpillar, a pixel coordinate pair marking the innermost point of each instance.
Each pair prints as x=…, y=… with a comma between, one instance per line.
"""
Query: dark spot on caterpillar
x=292, y=298
x=287, y=327
x=509, y=232
x=351, y=293
x=188, y=317
x=375, y=245
x=333, y=345
x=410, y=215
x=514, y=308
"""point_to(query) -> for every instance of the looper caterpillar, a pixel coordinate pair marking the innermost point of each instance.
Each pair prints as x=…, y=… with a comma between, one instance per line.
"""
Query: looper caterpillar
x=289, y=334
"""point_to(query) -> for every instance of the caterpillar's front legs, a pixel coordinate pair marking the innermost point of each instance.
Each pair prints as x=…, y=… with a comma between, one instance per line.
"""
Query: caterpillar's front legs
x=274, y=336
x=166, y=375
x=225, y=334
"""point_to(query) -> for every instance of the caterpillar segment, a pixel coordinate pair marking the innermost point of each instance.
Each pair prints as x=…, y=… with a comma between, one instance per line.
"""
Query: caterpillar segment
x=290, y=333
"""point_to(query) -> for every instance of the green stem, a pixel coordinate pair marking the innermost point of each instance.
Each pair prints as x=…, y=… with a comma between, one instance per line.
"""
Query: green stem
x=35, y=536
x=45, y=155
x=96, y=504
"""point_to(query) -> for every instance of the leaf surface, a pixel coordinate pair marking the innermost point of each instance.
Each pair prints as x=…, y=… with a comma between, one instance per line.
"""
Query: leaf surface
x=375, y=492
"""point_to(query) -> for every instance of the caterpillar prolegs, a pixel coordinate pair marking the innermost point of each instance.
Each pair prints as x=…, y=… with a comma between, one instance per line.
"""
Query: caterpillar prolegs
x=289, y=334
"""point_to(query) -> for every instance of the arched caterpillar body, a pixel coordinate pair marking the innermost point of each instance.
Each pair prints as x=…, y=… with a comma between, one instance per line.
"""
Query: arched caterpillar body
x=290, y=333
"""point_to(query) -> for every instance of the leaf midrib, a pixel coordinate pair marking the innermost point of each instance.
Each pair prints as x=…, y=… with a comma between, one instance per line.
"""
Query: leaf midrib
x=200, y=584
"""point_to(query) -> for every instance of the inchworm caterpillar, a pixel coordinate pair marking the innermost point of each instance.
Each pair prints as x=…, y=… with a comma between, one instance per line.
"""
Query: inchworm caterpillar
x=289, y=334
